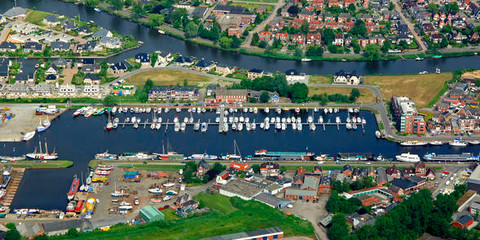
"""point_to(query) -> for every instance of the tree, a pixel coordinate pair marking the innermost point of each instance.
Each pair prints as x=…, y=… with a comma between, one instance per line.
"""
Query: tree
x=262, y=44
x=351, y=8
x=298, y=51
x=138, y=10
x=477, y=82
x=41, y=237
x=255, y=39
x=117, y=4
x=432, y=7
x=12, y=233
x=314, y=51
x=235, y=42
x=256, y=168
x=354, y=94
x=293, y=10
x=387, y=45
x=72, y=232
x=225, y=42
x=339, y=228
x=156, y=19
x=191, y=30
x=328, y=35
x=109, y=101
x=148, y=85
x=264, y=97
x=359, y=28
x=299, y=92
x=372, y=51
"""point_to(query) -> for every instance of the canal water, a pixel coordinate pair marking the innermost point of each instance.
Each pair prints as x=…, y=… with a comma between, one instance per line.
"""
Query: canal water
x=154, y=41
x=79, y=139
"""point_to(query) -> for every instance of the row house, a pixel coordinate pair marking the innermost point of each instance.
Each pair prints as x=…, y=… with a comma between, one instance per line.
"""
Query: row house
x=297, y=22
x=315, y=25
x=334, y=3
x=363, y=42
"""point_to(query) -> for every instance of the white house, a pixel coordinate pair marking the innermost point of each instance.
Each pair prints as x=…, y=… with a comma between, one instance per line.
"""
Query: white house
x=349, y=78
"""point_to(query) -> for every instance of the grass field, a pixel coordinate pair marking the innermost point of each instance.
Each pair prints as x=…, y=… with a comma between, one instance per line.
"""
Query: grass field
x=367, y=95
x=36, y=17
x=320, y=79
x=421, y=88
x=169, y=77
x=241, y=216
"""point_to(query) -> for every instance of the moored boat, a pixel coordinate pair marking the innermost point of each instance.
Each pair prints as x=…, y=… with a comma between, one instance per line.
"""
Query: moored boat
x=73, y=188
x=28, y=136
x=408, y=157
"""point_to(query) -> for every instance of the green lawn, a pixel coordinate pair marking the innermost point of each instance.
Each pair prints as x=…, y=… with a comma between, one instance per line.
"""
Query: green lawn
x=220, y=204
x=260, y=1
x=241, y=216
x=36, y=17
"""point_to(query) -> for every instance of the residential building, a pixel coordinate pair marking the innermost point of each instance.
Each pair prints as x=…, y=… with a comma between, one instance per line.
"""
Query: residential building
x=142, y=58
x=349, y=78
x=202, y=168
x=408, y=120
x=255, y=73
x=293, y=76
x=306, y=190
x=204, y=66
x=91, y=79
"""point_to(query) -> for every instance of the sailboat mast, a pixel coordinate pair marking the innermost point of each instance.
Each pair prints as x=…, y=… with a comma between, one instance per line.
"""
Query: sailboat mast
x=40, y=145
x=46, y=148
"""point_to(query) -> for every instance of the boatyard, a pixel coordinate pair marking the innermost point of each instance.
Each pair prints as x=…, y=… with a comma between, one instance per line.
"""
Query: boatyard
x=21, y=119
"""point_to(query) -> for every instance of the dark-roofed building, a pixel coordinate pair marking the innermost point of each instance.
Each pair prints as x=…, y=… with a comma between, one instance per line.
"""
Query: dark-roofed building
x=404, y=185
x=293, y=76
x=68, y=25
x=227, y=9
x=183, y=61
x=142, y=58
x=381, y=176
x=32, y=47
x=51, y=21
x=84, y=30
x=173, y=93
x=255, y=73
x=91, y=79
x=272, y=201
x=198, y=12
x=4, y=68
x=267, y=233
x=60, y=46
x=473, y=182
x=89, y=46
x=7, y=47
x=15, y=12
x=325, y=184
x=204, y=65
x=24, y=78
x=91, y=68
x=118, y=67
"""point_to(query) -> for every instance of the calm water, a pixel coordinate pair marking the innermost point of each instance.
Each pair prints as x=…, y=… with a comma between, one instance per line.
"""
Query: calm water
x=80, y=139
x=154, y=41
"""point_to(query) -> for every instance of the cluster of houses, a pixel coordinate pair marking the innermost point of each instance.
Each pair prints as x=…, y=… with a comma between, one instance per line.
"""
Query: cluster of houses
x=458, y=109
x=316, y=16
x=431, y=24
x=233, y=19
x=393, y=184
x=56, y=33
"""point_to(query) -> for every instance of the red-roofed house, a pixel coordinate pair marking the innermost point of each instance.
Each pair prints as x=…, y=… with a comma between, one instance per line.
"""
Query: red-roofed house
x=242, y=166
x=314, y=39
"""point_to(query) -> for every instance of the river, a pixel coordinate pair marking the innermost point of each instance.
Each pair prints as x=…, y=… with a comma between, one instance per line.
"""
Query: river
x=154, y=41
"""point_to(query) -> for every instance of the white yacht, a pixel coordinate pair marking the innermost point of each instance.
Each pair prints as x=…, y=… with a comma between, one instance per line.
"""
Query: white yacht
x=408, y=157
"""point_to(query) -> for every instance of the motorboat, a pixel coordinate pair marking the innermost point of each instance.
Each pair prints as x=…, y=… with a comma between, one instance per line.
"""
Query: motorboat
x=407, y=157
x=156, y=190
x=458, y=143
x=28, y=136
x=43, y=125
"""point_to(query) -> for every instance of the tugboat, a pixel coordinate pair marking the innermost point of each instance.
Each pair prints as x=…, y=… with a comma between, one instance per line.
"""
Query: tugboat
x=73, y=188
x=43, y=125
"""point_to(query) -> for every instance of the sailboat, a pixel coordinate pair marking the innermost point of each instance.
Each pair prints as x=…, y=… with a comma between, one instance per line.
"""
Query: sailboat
x=42, y=155
x=236, y=153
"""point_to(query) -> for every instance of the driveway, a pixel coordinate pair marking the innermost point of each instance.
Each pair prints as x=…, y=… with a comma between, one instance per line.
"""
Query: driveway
x=264, y=23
